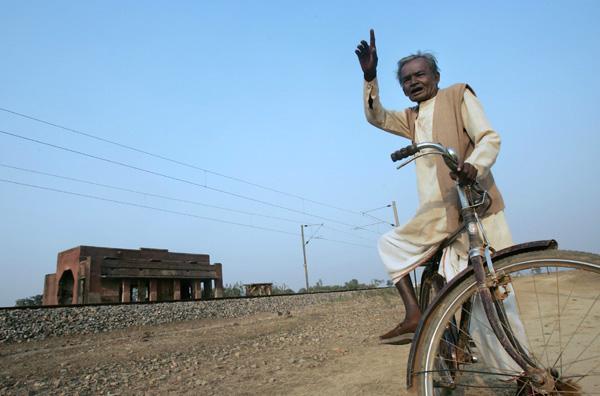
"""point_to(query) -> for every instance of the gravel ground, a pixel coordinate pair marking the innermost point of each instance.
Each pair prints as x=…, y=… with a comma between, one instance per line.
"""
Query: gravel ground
x=298, y=345
x=34, y=324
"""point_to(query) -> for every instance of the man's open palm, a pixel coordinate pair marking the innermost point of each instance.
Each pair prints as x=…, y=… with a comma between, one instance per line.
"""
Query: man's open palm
x=367, y=56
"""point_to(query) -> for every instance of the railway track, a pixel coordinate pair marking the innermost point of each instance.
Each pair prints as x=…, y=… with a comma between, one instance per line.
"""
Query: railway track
x=190, y=300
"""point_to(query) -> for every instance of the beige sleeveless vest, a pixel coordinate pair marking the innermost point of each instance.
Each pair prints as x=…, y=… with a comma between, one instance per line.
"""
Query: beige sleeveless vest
x=449, y=130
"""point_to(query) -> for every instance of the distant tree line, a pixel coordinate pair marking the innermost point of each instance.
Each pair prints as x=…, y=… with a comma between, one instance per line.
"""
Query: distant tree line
x=352, y=284
x=238, y=290
x=29, y=301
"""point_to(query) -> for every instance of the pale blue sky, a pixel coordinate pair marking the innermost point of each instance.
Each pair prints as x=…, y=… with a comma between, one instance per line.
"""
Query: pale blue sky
x=270, y=92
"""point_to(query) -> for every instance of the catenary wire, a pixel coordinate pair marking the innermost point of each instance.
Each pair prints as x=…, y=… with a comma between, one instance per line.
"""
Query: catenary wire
x=372, y=224
x=144, y=193
x=164, y=158
x=149, y=194
x=344, y=242
x=144, y=206
x=351, y=234
x=373, y=210
x=133, y=204
x=313, y=234
x=172, y=177
x=377, y=218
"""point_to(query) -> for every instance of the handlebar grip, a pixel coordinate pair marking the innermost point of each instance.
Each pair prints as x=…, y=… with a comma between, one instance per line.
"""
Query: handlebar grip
x=404, y=152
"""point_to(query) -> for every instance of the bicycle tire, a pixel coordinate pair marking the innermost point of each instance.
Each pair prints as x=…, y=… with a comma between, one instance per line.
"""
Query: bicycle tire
x=557, y=299
x=431, y=284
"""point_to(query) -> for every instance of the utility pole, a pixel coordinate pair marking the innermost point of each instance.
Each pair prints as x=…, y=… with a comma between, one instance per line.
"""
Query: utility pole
x=396, y=221
x=304, y=253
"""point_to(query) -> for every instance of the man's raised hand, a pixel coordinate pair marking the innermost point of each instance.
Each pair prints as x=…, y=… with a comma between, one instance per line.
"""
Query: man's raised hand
x=367, y=57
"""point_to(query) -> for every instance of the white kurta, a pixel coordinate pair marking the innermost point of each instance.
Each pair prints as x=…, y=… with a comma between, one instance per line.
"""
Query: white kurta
x=406, y=247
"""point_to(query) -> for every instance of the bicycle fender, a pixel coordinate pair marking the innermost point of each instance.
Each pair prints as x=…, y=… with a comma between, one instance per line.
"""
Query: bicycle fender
x=461, y=276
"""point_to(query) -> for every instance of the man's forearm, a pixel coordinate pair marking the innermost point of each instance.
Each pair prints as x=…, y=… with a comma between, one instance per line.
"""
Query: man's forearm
x=486, y=140
x=377, y=115
x=485, y=152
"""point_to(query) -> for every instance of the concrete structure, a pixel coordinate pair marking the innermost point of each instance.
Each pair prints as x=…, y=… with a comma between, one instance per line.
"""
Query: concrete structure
x=259, y=289
x=89, y=274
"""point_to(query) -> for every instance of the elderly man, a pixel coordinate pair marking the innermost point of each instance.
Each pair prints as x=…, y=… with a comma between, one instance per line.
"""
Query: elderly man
x=453, y=117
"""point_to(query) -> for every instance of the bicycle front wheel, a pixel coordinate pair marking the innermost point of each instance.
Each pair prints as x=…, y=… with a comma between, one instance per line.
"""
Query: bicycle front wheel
x=552, y=314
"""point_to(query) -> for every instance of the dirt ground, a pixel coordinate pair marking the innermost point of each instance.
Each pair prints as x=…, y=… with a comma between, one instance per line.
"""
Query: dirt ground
x=327, y=349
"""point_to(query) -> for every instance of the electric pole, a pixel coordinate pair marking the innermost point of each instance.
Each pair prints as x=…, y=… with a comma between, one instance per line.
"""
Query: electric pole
x=396, y=221
x=304, y=254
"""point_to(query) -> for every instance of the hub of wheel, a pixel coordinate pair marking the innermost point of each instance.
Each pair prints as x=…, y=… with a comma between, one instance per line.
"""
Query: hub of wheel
x=541, y=380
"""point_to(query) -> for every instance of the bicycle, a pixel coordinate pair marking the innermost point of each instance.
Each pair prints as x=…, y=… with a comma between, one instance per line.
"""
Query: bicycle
x=522, y=320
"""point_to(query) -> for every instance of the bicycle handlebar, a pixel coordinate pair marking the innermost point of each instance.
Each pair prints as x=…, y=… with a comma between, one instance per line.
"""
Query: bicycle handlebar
x=449, y=155
x=404, y=152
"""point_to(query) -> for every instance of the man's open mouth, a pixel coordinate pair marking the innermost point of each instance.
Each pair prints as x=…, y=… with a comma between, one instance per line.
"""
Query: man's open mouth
x=416, y=90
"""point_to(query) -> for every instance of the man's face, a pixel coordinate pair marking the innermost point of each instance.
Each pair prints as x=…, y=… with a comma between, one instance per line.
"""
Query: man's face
x=418, y=81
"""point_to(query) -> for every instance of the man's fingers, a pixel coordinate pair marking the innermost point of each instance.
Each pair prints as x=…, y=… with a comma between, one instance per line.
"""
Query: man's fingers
x=473, y=174
x=470, y=171
x=372, y=38
x=361, y=51
x=465, y=172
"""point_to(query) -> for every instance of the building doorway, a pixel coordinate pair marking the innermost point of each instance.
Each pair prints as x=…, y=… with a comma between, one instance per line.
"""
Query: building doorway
x=165, y=290
x=187, y=289
x=65, y=288
x=139, y=291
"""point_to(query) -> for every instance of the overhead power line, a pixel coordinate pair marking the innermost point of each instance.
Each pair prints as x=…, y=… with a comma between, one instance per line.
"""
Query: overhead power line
x=164, y=158
x=145, y=206
x=314, y=233
x=186, y=214
x=187, y=201
x=377, y=218
x=379, y=221
x=372, y=224
x=351, y=234
x=344, y=242
x=149, y=194
x=379, y=208
x=173, y=178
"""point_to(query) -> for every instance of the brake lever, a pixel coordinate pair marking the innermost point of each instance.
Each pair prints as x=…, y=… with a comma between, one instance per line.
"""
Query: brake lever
x=414, y=157
x=408, y=161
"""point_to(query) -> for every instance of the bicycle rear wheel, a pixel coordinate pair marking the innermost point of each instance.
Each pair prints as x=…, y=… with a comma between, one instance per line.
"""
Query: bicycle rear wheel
x=431, y=284
x=553, y=311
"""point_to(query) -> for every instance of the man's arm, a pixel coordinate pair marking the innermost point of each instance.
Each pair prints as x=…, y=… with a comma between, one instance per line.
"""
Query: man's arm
x=395, y=122
x=390, y=121
x=486, y=140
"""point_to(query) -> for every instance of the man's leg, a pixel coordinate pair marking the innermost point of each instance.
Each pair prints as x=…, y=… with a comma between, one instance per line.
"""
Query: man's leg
x=400, y=255
x=404, y=332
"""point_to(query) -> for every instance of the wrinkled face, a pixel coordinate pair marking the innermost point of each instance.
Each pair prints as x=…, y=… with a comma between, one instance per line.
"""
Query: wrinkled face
x=418, y=81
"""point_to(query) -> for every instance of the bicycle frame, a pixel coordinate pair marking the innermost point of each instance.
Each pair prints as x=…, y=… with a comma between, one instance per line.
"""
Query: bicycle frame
x=458, y=279
x=480, y=262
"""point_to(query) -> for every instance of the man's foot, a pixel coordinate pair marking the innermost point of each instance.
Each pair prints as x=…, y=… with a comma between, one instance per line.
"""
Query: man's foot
x=400, y=335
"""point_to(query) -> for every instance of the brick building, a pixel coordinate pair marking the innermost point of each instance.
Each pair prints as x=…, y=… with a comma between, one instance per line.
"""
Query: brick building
x=89, y=274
